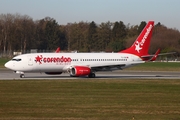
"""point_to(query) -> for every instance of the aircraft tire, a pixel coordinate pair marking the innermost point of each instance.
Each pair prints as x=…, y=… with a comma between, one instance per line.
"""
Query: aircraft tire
x=22, y=76
x=92, y=75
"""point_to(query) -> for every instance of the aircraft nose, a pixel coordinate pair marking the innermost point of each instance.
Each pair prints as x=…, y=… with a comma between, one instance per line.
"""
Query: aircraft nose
x=7, y=65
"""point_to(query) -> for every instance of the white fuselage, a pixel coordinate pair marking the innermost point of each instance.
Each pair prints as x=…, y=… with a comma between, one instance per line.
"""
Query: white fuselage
x=61, y=62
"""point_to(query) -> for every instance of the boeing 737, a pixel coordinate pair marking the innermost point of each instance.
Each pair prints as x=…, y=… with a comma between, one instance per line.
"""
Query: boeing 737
x=86, y=64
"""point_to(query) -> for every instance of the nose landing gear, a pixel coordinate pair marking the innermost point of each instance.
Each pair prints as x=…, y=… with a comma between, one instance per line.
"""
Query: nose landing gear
x=21, y=74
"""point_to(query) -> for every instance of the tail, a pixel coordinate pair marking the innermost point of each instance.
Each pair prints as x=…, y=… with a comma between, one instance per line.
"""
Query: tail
x=141, y=46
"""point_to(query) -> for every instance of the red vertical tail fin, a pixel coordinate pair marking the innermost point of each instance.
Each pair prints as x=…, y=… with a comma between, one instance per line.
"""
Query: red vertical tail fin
x=141, y=46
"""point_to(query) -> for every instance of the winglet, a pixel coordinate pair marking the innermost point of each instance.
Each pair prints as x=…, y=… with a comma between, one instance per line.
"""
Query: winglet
x=141, y=46
x=57, y=50
x=155, y=55
x=151, y=57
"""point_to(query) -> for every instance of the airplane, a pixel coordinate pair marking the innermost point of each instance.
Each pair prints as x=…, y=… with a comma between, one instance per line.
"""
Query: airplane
x=86, y=64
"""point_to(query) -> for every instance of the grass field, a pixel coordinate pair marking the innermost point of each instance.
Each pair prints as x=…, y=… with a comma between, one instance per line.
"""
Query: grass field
x=157, y=66
x=3, y=61
x=90, y=99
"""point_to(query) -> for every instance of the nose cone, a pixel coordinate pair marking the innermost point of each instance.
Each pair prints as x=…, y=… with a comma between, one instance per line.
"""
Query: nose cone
x=8, y=65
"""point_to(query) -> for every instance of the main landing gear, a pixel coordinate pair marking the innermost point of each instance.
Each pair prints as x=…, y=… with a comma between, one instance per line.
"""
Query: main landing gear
x=22, y=76
x=92, y=75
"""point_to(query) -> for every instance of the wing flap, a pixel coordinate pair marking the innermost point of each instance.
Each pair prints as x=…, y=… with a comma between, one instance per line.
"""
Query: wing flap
x=107, y=68
x=113, y=66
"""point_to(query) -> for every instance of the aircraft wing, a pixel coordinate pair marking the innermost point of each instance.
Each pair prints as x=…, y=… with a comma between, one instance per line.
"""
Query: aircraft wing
x=109, y=67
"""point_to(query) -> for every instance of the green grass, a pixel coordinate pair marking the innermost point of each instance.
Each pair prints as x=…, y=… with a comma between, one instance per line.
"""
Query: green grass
x=157, y=66
x=3, y=61
x=90, y=99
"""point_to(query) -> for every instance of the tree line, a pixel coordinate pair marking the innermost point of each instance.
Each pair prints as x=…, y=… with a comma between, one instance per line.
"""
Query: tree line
x=22, y=33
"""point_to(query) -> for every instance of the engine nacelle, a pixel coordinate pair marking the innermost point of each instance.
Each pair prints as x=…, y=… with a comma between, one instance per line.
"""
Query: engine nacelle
x=80, y=71
x=53, y=73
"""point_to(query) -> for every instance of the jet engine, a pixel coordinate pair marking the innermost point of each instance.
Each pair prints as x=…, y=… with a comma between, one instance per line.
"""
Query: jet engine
x=79, y=71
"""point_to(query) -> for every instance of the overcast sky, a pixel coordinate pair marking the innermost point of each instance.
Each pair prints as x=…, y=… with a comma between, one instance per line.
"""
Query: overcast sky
x=70, y=11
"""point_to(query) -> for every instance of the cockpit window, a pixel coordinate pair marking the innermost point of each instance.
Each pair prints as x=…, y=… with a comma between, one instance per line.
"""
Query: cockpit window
x=16, y=60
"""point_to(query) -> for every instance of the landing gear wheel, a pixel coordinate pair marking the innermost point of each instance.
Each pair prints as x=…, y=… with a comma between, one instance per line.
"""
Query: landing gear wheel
x=92, y=75
x=22, y=76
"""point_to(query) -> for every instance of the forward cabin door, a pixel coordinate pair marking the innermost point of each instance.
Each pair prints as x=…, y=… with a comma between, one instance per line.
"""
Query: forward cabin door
x=30, y=61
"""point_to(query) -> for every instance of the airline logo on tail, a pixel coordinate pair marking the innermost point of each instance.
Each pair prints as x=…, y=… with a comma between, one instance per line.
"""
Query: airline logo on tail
x=139, y=45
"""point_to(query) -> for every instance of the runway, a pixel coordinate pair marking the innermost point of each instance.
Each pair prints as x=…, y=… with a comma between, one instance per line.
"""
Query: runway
x=6, y=74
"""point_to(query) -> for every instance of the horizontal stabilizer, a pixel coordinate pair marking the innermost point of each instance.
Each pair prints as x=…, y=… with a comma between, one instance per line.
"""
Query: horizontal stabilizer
x=154, y=57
